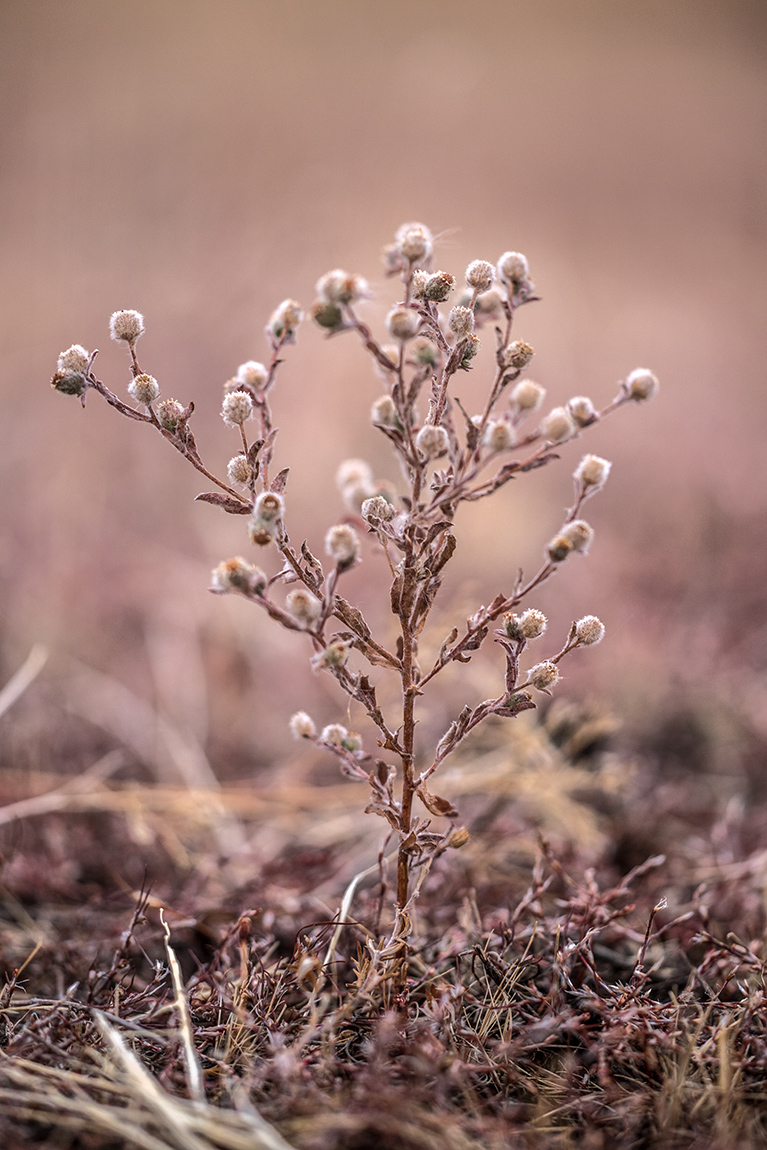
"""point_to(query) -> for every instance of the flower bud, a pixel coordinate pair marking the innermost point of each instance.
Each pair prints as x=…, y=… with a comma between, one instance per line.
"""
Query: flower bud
x=262, y=531
x=402, y=322
x=74, y=359
x=642, y=384
x=533, y=623
x=439, y=286
x=327, y=315
x=513, y=268
x=459, y=838
x=144, y=389
x=592, y=471
x=239, y=470
x=527, y=396
x=488, y=304
x=353, y=471
x=518, y=354
x=543, y=675
x=498, y=435
x=425, y=352
x=269, y=506
x=470, y=348
x=169, y=412
x=558, y=425
x=377, y=508
x=432, y=442
x=338, y=287
x=384, y=412
x=334, y=734
x=69, y=382
x=579, y=534
x=418, y=283
x=303, y=606
x=480, y=275
x=334, y=655
x=342, y=545
x=252, y=373
x=238, y=575
x=414, y=242
x=582, y=410
x=127, y=325
x=589, y=630
x=302, y=726
x=237, y=408
x=284, y=320
x=461, y=321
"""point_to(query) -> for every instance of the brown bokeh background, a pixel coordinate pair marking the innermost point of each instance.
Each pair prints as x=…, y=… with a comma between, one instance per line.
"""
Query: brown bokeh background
x=201, y=161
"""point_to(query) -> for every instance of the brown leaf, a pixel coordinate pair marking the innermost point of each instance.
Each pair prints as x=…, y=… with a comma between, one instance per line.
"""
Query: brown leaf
x=233, y=506
x=436, y=804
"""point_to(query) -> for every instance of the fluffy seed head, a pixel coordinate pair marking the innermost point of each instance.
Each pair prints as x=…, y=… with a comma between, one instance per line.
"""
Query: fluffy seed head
x=327, y=315
x=342, y=545
x=238, y=469
x=303, y=606
x=334, y=734
x=558, y=425
x=169, y=413
x=127, y=325
x=470, y=348
x=579, y=534
x=513, y=268
x=339, y=287
x=69, y=382
x=144, y=389
x=414, y=242
x=262, y=531
x=75, y=358
x=543, y=675
x=527, y=396
x=559, y=548
x=238, y=575
x=439, y=286
x=533, y=623
x=237, y=408
x=402, y=322
x=589, y=630
x=432, y=442
x=488, y=304
x=252, y=373
x=284, y=320
x=592, y=471
x=302, y=726
x=461, y=321
x=269, y=505
x=582, y=410
x=354, y=471
x=425, y=352
x=518, y=354
x=418, y=283
x=498, y=435
x=377, y=507
x=642, y=384
x=384, y=412
x=334, y=655
x=480, y=275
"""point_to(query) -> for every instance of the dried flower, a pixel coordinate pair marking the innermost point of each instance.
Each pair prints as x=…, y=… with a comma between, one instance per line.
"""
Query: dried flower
x=513, y=269
x=471, y=346
x=558, y=425
x=74, y=359
x=334, y=734
x=527, y=396
x=480, y=275
x=303, y=606
x=338, y=287
x=579, y=534
x=284, y=320
x=342, y=545
x=403, y=322
x=144, y=389
x=542, y=676
x=498, y=435
x=269, y=505
x=69, y=382
x=439, y=286
x=642, y=384
x=127, y=325
x=237, y=408
x=592, y=471
x=384, y=412
x=533, y=623
x=252, y=373
x=414, y=242
x=334, y=655
x=461, y=321
x=239, y=470
x=488, y=304
x=418, y=283
x=238, y=575
x=432, y=442
x=378, y=508
x=262, y=531
x=589, y=630
x=582, y=410
x=518, y=354
x=169, y=412
x=302, y=726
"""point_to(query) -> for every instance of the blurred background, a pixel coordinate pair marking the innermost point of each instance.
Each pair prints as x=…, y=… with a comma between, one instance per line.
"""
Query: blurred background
x=201, y=161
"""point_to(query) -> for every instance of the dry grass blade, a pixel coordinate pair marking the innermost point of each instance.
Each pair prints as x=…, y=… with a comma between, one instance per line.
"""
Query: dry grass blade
x=26, y=674
x=191, y=1061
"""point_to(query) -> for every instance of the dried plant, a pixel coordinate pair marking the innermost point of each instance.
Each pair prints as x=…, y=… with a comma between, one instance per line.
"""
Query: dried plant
x=447, y=457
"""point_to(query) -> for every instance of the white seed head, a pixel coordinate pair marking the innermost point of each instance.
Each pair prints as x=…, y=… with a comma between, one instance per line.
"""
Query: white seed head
x=262, y=531
x=579, y=535
x=270, y=506
x=418, y=283
x=239, y=470
x=414, y=242
x=342, y=545
x=303, y=606
x=592, y=471
x=518, y=354
x=439, y=286
x=384, y=412
x=642, y=384
x=527, y=396
x=480, y=275
x=403, y=322
x=513, y=268
x=589, y=630
x=237, y=408
x=339, y=287
x=302, y=726
x=238, y=575
x=432, y=442
x=461, y=321
x=334, y=734
x=252, y=373
x=354, y=471
x=334, y=655
x=144, y=389
x=169, y=412
x=582, y=410
x=533, y=623
x=75, y=358
x=127, y=325
x=558, y=425
x=543, y=675
x=377, y=507
x=498, y=435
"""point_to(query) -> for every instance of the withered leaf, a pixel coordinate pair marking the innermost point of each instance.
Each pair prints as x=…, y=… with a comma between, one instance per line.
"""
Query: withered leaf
x=279, y=482
x=436, y=804
x=233, y=506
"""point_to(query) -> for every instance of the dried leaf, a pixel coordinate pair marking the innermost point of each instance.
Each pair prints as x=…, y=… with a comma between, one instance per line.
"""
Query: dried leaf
x=436, y=804
x=280, y=481
x=233, y=506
